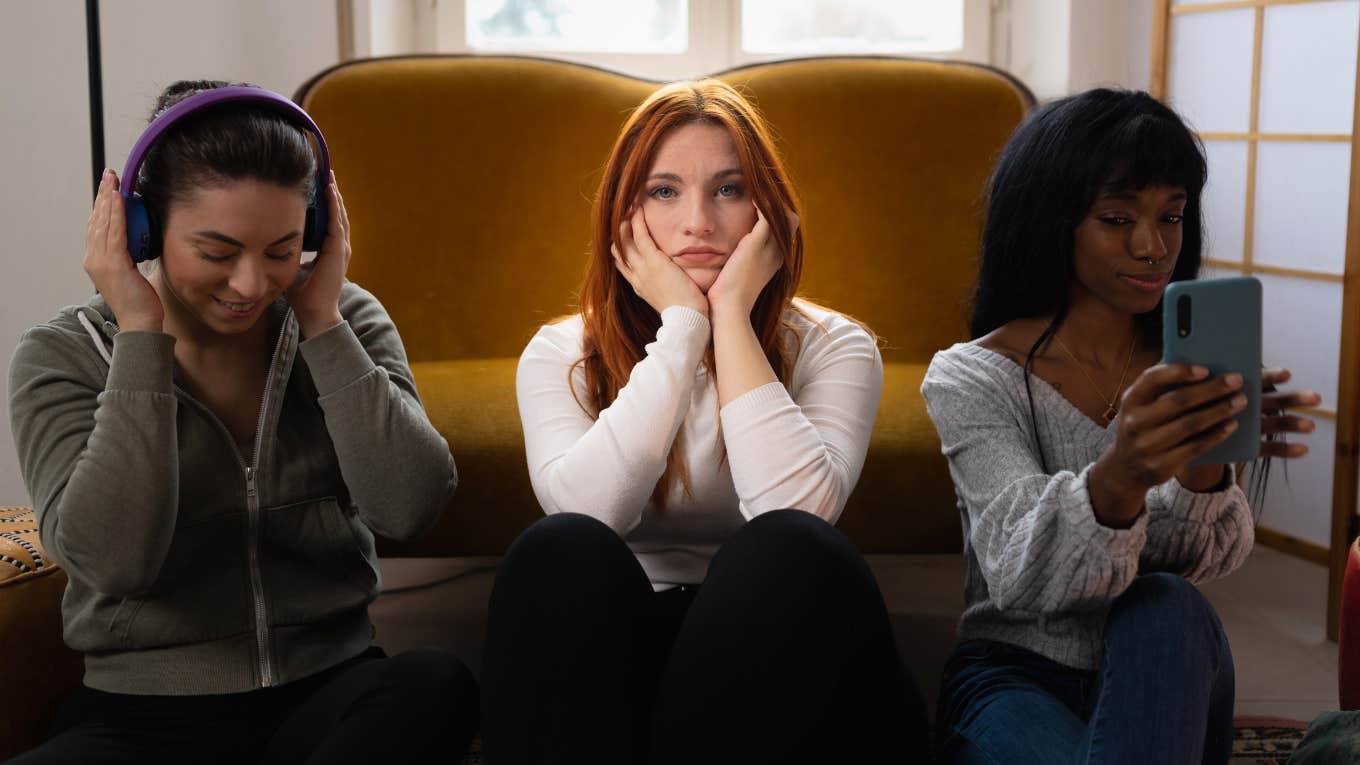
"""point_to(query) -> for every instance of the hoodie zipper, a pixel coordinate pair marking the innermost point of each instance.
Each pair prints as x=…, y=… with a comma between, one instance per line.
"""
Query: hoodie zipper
x=253, y=521
x=251, y=471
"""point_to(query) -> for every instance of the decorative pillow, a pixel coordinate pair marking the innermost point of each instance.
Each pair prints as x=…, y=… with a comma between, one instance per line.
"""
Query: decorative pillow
x=20, y=551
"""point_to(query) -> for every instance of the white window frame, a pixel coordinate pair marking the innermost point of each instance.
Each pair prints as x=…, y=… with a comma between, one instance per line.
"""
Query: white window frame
x=388, y=27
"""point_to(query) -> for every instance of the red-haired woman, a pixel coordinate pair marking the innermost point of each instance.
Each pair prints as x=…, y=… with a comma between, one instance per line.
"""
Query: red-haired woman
x=692, y=435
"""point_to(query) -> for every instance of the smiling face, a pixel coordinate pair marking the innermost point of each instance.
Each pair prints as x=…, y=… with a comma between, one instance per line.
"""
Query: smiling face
x=1127, y=245
x=696, y=200
x=230, y=251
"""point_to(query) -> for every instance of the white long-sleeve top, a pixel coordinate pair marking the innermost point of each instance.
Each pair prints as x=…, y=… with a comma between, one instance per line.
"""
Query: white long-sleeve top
x=772, y=448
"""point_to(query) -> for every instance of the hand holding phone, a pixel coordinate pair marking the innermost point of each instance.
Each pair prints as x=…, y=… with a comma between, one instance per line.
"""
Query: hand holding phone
x=133, y=300
x=1216, y=324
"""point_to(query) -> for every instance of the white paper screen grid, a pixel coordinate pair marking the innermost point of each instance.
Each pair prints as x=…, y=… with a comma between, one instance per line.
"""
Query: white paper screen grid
x=1224, y=199
x=1301, y=195
x=1210, y=69
x=1300, y=504
x=1218, y=272
x=1308, y=67
x=1301, y=327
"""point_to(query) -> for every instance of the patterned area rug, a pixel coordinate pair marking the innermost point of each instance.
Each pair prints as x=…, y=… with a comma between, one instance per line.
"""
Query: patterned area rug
x=1259, y=741
x=1263, y=740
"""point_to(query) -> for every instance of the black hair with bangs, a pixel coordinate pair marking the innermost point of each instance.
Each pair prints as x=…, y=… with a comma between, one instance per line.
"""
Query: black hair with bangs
x=1044, y=183
x=1049, y=174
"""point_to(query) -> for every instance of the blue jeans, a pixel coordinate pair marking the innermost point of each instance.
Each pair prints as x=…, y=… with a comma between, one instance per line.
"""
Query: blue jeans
x=1163, y=693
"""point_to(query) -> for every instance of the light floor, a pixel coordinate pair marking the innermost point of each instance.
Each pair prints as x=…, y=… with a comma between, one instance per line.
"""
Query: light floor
x=1273, y=609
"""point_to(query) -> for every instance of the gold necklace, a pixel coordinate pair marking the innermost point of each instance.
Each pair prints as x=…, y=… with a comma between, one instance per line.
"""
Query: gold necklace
x=1111, y=408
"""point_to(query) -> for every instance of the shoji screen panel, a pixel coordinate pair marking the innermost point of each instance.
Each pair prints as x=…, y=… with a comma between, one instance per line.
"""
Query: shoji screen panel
x=1270, y=85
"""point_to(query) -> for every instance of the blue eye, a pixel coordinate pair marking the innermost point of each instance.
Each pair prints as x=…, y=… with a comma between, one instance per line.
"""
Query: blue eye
x=729, y=190
x=662, y=192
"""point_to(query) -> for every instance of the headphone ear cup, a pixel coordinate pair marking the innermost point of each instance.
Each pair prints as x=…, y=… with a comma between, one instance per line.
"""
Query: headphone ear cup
x=314, y=230
x=142, y=238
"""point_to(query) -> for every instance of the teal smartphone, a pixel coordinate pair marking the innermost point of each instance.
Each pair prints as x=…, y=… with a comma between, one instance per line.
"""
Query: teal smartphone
x=1216, y=323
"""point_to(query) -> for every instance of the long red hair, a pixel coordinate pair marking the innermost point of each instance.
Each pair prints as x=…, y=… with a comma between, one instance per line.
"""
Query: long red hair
x=618, y=323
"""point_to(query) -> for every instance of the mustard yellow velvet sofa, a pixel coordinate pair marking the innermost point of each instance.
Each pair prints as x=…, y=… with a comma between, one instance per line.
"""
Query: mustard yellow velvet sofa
x=468, y=182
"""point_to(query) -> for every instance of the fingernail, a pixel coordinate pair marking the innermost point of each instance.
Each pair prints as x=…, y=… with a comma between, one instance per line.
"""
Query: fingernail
x=1230, y=427
x=1239, y=401
x=1233, y=380
x=1199, y=371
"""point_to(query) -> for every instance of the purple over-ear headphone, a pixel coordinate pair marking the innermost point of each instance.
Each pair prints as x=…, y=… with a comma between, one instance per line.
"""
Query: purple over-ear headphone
x=144, y=234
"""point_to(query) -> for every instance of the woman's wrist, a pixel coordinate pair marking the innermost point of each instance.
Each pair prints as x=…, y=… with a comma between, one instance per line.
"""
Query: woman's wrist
x=1203, y=478
x=1115, y=502
x=312, y=326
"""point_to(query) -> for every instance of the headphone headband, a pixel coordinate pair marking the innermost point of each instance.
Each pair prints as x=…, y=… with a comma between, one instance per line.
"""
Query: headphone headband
x=232, y=93
x=144, y=234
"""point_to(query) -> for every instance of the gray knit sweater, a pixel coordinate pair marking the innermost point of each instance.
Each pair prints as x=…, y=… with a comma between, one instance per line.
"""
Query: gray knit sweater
x=1041, y=571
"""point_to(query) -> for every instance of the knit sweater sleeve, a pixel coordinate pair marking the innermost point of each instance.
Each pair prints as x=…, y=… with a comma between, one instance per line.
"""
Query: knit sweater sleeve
x=606, y=466
x=1199, y=535
x=805, y=451
x=1035, y=536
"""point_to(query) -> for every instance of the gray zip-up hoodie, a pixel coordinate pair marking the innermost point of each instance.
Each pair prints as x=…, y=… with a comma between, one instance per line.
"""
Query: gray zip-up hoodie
x=195, y=569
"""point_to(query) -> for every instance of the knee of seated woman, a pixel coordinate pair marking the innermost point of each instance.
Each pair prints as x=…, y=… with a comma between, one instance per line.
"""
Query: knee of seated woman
x=1168, y=596
x=566, y=544
x=553, y=532
x=797, y=539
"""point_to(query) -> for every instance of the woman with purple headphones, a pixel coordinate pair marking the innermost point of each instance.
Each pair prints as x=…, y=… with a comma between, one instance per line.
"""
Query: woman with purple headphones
x=211, y=444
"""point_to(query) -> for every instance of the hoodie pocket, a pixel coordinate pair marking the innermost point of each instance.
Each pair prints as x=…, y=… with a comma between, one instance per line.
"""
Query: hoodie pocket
x=316, y=561
x=201, y=594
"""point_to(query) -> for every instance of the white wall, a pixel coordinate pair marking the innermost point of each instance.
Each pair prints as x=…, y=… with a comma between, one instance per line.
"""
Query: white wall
x=147, y=44
x=1060, y=47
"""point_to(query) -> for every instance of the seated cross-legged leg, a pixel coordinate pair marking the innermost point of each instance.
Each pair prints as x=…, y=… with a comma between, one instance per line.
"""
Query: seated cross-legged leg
x=571, y=648
x=787, y=655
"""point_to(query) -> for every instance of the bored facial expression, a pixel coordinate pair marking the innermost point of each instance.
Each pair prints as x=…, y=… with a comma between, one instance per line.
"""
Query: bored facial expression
x=696, y=201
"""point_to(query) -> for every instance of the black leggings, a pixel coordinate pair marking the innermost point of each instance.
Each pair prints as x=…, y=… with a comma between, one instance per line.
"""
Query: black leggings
x=419, y=706
x=784, y=654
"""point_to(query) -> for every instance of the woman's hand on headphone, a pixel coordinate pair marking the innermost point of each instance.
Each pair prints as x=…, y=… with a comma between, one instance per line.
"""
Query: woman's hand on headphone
x=654, y=276
x=754, y=261
x=315, y=294
x=133, y=300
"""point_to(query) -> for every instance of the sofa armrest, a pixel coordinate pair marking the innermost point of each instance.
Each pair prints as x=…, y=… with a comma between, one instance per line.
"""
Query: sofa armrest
x=37, y=668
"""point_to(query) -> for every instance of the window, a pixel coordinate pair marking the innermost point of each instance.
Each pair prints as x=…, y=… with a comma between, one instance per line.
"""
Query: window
x=673, y=39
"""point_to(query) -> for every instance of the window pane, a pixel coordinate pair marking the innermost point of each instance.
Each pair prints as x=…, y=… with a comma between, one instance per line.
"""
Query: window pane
x=1210, y=69
x=1308, y=68
x=800, y=27
x=603, y=26
x=1302, y=191
x=1225, y=199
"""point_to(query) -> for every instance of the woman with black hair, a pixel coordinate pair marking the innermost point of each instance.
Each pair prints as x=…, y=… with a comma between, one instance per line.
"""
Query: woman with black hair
x=1084, y=639
x=211, y=443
